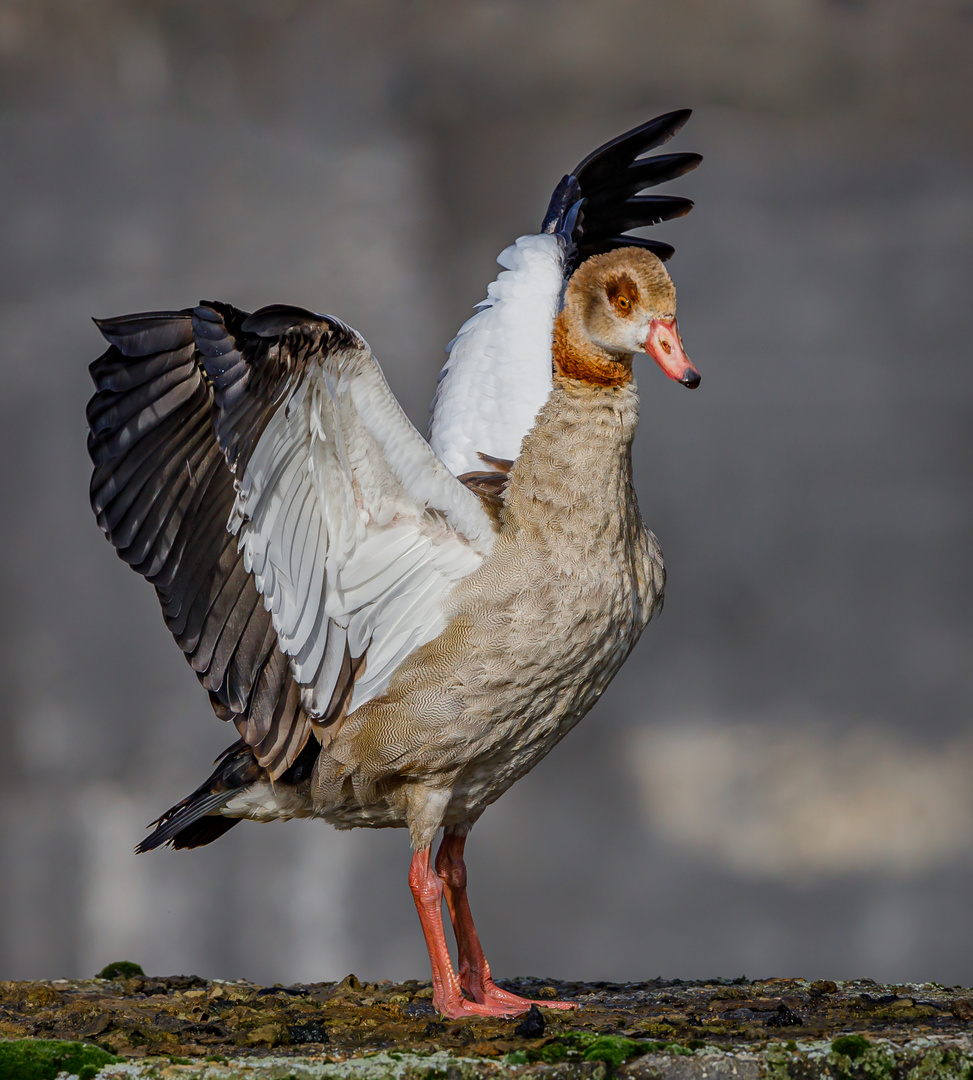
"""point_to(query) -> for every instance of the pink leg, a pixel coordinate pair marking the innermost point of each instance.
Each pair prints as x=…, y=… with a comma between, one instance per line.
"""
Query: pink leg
x=474, y=971
x=447, y=996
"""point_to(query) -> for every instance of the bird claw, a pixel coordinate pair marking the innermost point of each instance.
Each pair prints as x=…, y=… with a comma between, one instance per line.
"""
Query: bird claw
x=521, y=1005
x=461, y=1008
x=490, y=1000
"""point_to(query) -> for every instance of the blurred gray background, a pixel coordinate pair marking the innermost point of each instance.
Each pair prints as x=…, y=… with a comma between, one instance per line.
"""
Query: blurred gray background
x=780, y=782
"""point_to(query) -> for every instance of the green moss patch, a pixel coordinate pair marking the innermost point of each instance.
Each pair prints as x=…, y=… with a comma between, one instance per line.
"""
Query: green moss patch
x=851, y=1046
x=613, y=1050
x=120, y=969
x=43, y=1059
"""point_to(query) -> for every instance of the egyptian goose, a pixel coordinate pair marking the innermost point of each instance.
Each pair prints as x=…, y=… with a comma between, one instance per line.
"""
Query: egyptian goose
x=400, y=629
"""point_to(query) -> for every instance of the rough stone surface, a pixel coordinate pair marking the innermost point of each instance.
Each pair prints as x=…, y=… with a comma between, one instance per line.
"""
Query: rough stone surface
x=184, y=1026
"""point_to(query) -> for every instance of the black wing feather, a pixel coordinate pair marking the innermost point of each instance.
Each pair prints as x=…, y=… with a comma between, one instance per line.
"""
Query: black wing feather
x=641, y=175
x=601, y=164
x=635, y=213
x=658, y=247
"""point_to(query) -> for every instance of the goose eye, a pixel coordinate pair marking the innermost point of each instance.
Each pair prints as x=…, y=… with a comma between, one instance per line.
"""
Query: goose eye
x=623, y=302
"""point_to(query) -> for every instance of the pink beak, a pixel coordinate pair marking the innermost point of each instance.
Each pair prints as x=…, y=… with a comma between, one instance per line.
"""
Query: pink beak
x=664, y=345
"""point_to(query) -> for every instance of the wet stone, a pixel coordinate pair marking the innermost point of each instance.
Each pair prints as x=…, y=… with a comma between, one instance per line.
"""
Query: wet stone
x=654, y=1030
x=962, y=1009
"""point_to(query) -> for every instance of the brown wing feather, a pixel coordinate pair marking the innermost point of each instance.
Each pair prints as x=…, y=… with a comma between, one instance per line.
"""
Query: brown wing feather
x=490, y=486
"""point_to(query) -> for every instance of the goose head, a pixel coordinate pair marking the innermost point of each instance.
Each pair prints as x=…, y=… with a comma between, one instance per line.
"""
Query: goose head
x=617, y=304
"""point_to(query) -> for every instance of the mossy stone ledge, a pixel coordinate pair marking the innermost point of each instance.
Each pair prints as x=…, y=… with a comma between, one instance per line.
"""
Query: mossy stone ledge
x=128, y=1024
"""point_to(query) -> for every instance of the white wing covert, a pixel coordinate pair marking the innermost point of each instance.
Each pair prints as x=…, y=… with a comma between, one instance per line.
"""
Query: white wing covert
x=353, y=529
x=498, y=374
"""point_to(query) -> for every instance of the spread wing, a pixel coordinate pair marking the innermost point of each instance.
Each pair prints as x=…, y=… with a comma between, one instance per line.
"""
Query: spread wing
x=498, y=372
x=301, y=535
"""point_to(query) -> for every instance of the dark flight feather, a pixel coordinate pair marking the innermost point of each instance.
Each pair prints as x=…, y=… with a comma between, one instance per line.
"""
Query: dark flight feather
x=196, y=820
x=236, y=768
x=599, y=202
x=162, y=492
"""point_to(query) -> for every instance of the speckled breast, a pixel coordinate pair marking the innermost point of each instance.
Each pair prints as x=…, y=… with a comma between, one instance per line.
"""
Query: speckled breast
x=573, y=580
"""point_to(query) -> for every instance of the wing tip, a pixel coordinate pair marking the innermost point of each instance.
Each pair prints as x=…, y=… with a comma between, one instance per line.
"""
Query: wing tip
x=147, y=332
x=679, y=118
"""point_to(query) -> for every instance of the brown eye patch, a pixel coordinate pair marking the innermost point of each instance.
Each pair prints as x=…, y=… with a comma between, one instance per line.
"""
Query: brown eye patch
x=622, y=293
